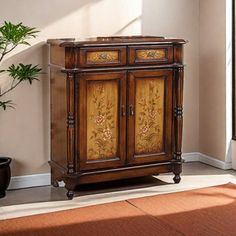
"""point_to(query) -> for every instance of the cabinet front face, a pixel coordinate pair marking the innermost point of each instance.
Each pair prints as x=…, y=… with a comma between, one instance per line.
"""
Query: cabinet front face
x=102, y=121
x=150, y=116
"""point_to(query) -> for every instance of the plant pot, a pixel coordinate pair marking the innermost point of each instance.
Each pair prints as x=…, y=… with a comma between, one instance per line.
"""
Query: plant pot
x=5, y=175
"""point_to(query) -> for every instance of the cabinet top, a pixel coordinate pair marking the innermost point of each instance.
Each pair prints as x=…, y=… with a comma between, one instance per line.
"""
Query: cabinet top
x=114, y=40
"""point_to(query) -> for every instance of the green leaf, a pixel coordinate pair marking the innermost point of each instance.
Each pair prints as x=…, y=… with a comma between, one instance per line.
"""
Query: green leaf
x=16, y=33
x=12, y=35
x=6, y=104
x=23, y=72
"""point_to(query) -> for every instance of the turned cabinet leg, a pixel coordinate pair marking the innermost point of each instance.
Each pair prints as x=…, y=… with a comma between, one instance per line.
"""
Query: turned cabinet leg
x=70, y=185
x=55, y=183
x=55, y=177
x=177, y=178
x=70, y=194
x=177, y=169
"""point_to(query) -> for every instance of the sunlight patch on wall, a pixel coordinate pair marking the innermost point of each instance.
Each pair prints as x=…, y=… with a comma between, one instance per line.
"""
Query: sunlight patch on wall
x=99, y=18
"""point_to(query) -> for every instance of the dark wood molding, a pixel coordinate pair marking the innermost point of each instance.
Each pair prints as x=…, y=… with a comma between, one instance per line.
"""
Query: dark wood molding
x=70, y=123
x=178, y=122
x=104, y=69
x=115, y=41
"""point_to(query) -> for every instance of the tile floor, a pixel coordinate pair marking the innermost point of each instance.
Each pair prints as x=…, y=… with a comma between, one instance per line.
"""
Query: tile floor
x=47, y=199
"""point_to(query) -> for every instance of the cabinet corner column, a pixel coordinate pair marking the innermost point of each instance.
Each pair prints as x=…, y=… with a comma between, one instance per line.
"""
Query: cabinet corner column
x=178, y=122
x=70, y=86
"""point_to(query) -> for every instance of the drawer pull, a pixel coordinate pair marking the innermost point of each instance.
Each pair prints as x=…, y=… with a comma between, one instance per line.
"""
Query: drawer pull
x=123, y=112
x=94, y=57
x=103, y=56
x=131, y=110
x=151, y=54
x=162, y=54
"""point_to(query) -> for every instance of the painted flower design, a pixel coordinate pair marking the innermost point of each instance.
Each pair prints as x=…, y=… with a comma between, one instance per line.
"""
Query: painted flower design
x=107, y=134
x=144, y=129
x=100, y=89
x=102, y=139
x=149, y=120
x=99, y=120
x=152, y=113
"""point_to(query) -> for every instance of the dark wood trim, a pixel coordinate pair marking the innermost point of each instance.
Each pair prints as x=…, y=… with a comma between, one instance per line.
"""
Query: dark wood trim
x=70, y=122
x=178, y=54
x=178, y=112
x=103, y=69
x=119, y=173
x=70, y=58
x=178, y=122
x=109, y=41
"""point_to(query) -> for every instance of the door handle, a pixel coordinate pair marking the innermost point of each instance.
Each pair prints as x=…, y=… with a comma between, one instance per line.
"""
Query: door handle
x=123, y=110
x=131, y=110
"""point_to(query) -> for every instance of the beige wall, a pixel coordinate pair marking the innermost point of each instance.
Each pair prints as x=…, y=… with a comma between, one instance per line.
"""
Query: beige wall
x=25, y=131
x=212, y=80
x=180, y=19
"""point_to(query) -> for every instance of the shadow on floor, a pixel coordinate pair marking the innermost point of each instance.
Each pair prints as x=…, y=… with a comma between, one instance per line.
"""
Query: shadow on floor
x=49, y=193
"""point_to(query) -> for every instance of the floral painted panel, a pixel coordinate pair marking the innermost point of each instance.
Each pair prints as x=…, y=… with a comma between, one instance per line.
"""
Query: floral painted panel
x=102, y=57
x=102, y=119
x=151, y=54
x=149, y=119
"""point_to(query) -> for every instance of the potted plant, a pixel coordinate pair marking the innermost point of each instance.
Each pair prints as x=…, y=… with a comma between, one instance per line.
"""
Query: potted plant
x=12, y=35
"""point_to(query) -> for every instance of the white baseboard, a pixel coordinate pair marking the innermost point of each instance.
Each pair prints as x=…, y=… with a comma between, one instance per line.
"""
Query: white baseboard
x=197, y=156
x=27, y=181
x=191, y=157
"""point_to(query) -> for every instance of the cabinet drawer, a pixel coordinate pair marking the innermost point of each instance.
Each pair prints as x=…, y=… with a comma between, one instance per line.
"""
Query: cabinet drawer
x=102, y=56
x=150, y=55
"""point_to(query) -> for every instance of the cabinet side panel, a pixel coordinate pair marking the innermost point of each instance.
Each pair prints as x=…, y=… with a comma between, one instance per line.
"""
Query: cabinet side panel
x=58, y=117
x=178, y=54
x=57, y=55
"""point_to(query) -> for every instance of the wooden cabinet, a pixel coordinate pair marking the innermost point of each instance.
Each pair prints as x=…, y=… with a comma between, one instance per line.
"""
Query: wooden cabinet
x=116, y=108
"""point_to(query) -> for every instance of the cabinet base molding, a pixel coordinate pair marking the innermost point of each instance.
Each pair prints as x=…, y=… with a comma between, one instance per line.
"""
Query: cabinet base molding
x=39, y=180
x=96, y=176
x=112, y=174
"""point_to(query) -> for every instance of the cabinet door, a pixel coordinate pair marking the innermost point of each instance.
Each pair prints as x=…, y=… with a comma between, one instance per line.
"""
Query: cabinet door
x=102, y=120
x=150, y=116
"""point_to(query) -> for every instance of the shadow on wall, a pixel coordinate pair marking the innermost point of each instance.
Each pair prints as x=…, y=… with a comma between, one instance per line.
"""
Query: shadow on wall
x=135, y=20
x=42, y=13
x=36, y=54
x=25, y=131
x=58, y=18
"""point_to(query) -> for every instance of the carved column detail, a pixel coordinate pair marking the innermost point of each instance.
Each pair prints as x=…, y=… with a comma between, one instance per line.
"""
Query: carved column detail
x=70, y=122
x=178, y=112
x=178, y=122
